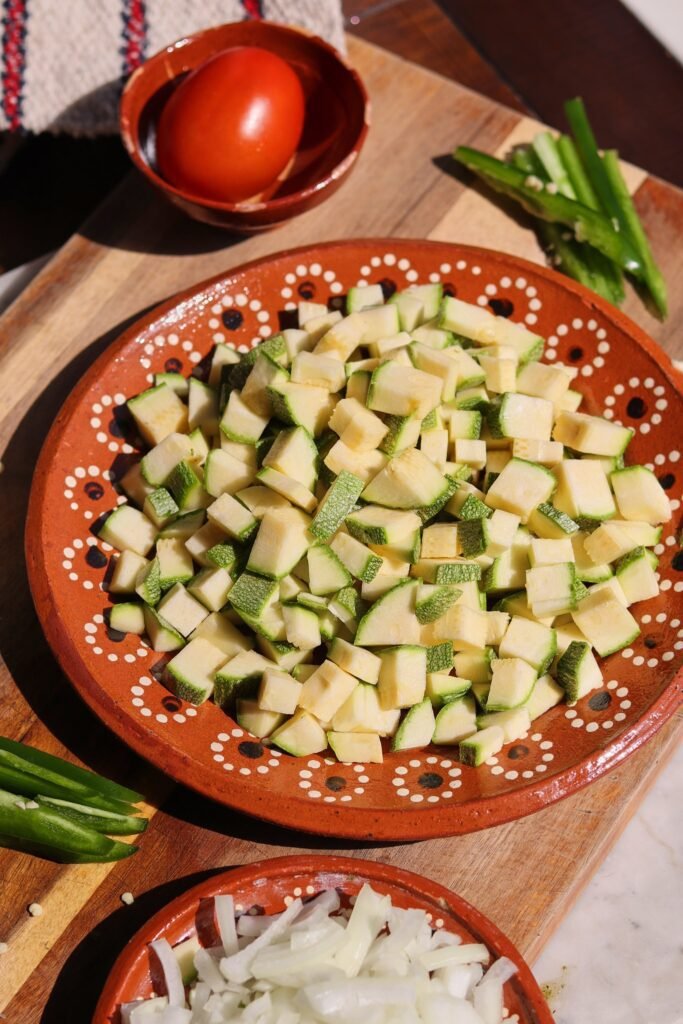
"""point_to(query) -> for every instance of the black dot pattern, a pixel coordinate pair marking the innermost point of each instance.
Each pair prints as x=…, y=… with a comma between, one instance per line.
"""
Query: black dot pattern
x=576, y=353
x=250, y=749
x=171, y=704
x=600, y=701
x=335, y=783
x=667, y=480
x=430, y=780
x=650, y=642
x=450, y=289
x=232, y=319
x=94, y=490
x=677, y=561
x=306, y=289
x=636, y=408
x=502, y=307
x=96, y=558
x=173, y=365
x=519, y=750
x=388, y=287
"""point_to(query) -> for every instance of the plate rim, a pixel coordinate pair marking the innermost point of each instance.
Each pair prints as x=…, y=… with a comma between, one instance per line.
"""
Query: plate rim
x=315, y=865
x=404, y=824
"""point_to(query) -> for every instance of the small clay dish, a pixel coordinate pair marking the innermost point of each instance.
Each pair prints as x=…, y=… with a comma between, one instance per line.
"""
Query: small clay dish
x=270, y=884
x=335, y=126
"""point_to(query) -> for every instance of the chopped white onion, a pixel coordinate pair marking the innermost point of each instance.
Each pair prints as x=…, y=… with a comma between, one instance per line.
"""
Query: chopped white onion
x=320, y=964
x=225, y=919
x=175, y=990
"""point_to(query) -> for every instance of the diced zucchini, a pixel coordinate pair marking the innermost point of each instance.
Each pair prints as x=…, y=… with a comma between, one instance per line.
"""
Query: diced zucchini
x=190, y=674
x=202, y=407
x=218, y=629
x=255, y=720
x=211, y=587
x=402, y=390
x=545, y=695
x=605, y=622
x=512, y=680
x=241, y=423
x=278, y=691
x=552, y=589
x=476, y=749
x=636, y=575
x=127, y=618
x=326, y=573
x=544, y=551
x=443, y=687
x=583, y=490
x=417, y=727
x=434, y=601
x=281, y=541
x=158, y=412
x=350, y=747
x=408, y=481
x=302, y=627
x=531, y=641
x=232, y=517
x=402, y=676
x=224, y=474
x=325, y=691
x=455, y=721
x=391, y=619
x=521, y=416
x=162, y=635
x=158, y=464
x=474, y=665
x=148, y=582
x=521, y=487
x=294, y=453
x=640, y=496
x=515, y=723
x=357, y=662
x=126, y=569
x=578, y=672
x=181, y=610
x=358, y=559
x=288, y=488
x=300, y=735
x=160, y=507
x=239, y=677
x=127, y=527
x=591, y=434
x=548, y=521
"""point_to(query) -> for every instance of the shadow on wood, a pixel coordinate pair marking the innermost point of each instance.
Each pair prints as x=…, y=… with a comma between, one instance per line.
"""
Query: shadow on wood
x=82, y=977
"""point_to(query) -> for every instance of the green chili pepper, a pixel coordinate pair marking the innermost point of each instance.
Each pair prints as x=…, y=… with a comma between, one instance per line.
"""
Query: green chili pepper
x=44, y=831
x=108, y=822
x=90, y=780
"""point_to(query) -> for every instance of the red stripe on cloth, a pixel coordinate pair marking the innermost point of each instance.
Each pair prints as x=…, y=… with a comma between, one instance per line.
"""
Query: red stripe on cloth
x=134, y=34
x=253, y=8
x=14, y=19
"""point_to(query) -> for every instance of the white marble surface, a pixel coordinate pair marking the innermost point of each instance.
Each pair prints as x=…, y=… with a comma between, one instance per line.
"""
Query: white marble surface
x=617, y=958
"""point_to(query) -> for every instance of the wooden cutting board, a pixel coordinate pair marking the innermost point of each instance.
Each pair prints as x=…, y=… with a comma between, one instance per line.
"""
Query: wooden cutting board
x=135, y=251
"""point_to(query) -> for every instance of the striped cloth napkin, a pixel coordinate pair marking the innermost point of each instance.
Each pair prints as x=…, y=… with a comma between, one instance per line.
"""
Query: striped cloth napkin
x=63, y=62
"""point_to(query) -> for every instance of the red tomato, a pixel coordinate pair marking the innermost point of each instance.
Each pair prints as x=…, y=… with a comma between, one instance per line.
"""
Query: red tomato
x=232, y=125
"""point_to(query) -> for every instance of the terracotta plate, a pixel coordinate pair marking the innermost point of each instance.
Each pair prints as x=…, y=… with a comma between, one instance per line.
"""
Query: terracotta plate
x=270, y=884
x=414, y=794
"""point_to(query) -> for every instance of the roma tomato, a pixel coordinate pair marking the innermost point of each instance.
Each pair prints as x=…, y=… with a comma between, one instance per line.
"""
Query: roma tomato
x=232, y=125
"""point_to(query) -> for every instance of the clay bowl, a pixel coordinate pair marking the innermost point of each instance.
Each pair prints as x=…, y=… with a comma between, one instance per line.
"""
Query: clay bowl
x=270, y=883
x=337, y=112
x=416, y=793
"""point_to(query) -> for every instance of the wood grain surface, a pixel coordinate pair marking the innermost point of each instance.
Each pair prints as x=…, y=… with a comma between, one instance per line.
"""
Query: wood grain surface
x=133, y=252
